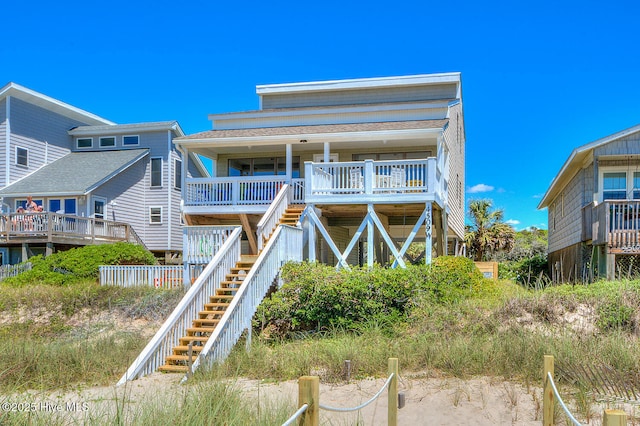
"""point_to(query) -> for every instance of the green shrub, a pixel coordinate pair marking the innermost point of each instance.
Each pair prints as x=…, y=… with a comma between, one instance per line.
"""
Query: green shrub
x=79, y=264
x=315, y=297
x=526, y=272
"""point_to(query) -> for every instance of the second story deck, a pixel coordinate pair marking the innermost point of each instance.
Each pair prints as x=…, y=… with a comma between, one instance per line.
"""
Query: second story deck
x=340, y=183
x=614, y=223
x=63, y=229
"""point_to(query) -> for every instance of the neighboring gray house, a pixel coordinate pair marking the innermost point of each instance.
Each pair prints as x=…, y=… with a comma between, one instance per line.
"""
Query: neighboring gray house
x=75, y=163
x=594, y=210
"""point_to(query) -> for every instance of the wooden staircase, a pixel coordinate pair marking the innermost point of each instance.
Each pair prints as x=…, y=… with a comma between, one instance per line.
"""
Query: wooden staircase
x=209, y=317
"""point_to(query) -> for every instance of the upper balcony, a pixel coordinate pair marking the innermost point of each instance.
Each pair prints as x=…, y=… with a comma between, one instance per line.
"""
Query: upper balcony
x=614, y=223
x=356, y=182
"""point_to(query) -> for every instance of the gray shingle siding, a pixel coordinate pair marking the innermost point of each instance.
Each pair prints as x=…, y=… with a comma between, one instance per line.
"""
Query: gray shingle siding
x=454, y=137
x=360, y=96
x=565, y=214
x=627, y=145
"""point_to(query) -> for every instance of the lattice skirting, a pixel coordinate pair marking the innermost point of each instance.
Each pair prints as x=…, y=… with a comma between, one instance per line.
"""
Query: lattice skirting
x=627, y=266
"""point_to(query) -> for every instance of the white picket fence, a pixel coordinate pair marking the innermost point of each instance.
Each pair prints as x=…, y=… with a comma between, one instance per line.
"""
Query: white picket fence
x=7, y=271
x=159, y=276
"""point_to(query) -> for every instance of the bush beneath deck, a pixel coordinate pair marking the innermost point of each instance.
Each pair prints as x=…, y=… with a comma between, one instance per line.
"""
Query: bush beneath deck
x=315, y=297
x=80, y=264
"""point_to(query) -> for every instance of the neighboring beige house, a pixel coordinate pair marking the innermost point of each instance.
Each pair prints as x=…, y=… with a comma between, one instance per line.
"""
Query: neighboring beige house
x=385, y=154
x=594, y=210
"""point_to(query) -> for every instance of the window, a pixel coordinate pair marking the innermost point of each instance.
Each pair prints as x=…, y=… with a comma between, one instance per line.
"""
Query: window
x=177, y=167
x=22, y=202
x=22, y=156
x=70, y=206
x=392, y=156
x=107, y=141
x=263, y=166
x=614, y=186
x=99, y=205
x=84, y=142
x=156, y=171
x=66, y=205
x=155, y=214
x=54, y=206
x=636, y=185
x=130, y=140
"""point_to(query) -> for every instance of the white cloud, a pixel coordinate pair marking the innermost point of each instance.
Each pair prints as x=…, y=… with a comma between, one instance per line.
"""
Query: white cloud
x=512, y=222
x=481, y=187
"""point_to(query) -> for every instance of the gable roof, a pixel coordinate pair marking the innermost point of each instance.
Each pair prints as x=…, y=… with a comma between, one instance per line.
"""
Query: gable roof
x=575, y=161
x=76, y=173
x=51, y=104
x=102, y=130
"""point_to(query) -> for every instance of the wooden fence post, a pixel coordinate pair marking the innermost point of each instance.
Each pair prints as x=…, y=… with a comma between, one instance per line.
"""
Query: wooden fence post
x=547, y=396
x=392, y=415
x=614, y=418
x=309, y=393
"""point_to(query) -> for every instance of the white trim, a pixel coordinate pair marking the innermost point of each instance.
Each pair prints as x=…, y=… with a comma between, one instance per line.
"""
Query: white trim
x=376, y=82
x=170, y=186
x=150, y=215
x=51, y=104
x=16, y=153
x=7, y=173
x=131, y=136
x=127, y=128
x=84, y=147
x=107, y=146
x=151, y=185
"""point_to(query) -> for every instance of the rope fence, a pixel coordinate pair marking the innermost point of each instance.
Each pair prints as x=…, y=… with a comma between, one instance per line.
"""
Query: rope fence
x=309, y=399
x=550, y=394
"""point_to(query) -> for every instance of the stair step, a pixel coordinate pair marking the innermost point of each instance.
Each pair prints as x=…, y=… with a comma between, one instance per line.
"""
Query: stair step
x=230, y=283
x=206, y=321
x=196, y=339
x=170, y=368
x=235, y=277
x=177, y=350
x=179, y=358
x=219, y=297
x=192, y=330
x=210, y=306
x=205, y=314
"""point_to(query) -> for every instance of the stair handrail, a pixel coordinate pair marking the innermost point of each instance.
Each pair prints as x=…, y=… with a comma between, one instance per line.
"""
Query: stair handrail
x=285, y=245
x=160, y=346
x=273, y=214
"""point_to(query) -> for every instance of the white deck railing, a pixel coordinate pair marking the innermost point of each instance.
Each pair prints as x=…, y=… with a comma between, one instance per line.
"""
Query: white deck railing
x=201, y=243
x=271, y=218
x=159, y=276
x=161, y=345
x=52, y=225
x=371, y=177
x=285, y=245
x=232, y=190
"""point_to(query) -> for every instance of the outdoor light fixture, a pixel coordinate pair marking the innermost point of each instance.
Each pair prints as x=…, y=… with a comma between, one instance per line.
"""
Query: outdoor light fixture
x=303, y=141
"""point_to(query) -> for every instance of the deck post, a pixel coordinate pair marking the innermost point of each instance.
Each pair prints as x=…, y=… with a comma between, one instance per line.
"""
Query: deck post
x=611, y=266
x=370, y=239
x=428, y=244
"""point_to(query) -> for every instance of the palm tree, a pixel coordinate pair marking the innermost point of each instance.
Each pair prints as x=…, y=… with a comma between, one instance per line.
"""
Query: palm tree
x=488, y=234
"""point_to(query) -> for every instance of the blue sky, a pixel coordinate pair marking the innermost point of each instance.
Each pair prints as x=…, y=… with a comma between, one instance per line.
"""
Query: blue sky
x=539, y=78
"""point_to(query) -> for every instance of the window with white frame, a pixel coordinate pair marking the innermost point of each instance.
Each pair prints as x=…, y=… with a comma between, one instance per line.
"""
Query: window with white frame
x=614, y=186
x=155, y=214
x=636, y=185
x=156, y=171
x=129, y=140
x=107, y=141
x=177, y=167
x=84, y=143
x=22, y=156
x=99, y=207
